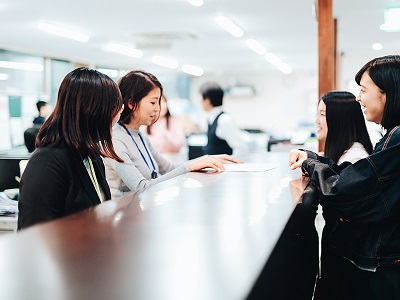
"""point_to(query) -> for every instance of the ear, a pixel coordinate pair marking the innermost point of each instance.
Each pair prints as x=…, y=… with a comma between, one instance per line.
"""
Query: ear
x=130, y=105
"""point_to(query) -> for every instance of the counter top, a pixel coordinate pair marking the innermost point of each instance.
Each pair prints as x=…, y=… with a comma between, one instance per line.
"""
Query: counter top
x=201, y=235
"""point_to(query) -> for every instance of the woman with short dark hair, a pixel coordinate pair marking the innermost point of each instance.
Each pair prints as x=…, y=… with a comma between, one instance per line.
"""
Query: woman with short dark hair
x=65, y=174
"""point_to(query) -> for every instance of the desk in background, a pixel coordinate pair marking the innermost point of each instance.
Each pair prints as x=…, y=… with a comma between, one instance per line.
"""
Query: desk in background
x=196, y=236
x=10, y=167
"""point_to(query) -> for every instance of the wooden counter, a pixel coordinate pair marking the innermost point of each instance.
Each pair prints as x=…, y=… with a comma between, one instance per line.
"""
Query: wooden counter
x=197, y=236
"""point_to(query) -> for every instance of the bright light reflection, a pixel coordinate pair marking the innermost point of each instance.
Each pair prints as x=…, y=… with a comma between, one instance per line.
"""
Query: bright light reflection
x=166, y=195
x=285, y=181
x=191, y=183
x=274, y=194
x=106, y=209
x=165, y=62
x=258, y=214
x=118, y=216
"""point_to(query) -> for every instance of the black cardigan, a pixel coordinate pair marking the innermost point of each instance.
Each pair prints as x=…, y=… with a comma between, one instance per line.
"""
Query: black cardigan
x=55, y=184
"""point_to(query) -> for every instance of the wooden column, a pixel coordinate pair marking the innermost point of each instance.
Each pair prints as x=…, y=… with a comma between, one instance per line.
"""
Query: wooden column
x=326, y=70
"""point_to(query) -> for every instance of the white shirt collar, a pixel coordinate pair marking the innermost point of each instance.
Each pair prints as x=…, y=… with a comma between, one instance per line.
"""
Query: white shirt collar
x=212, y=115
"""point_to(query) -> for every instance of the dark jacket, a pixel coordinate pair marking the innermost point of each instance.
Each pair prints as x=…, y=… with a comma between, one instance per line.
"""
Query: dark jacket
x=215, y=145
x=366, y=197
x=55, y=184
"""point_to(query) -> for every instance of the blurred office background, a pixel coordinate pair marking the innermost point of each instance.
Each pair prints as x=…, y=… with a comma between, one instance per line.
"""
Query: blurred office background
x=267, y=63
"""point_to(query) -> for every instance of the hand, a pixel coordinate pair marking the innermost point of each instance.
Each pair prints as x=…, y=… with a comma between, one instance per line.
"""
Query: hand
x=296, y=158
x=206, y=161
x=212, y=161
x=225, y=158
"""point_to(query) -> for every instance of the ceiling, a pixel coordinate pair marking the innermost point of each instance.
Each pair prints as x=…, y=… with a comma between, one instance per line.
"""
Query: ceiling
x=176, y=29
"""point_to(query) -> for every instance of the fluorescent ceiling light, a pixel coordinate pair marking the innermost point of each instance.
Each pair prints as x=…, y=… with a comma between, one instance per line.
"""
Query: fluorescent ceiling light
x=165, y=62
x=284, y=68
x=21, y=66
x=70, y=34
x=272, y=59
x=121, y=49
x=392, y=19
x=4, y=76
x=109, y=72
x=192, y=70
x=196, y=2
x=229, y=26
x=256, y=46
x=377, y=46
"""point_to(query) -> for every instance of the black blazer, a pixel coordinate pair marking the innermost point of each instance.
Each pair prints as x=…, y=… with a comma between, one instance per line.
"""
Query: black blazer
x=55, y=184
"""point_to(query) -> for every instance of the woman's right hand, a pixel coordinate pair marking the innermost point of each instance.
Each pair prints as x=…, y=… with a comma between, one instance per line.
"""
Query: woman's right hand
x=296, y=158
x=212, y=161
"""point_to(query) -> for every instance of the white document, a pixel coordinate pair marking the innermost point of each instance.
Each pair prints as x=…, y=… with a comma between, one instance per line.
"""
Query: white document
x=246, y=167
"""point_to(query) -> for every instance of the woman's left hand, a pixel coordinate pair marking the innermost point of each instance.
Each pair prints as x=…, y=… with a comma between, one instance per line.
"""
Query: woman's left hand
x=225, y=158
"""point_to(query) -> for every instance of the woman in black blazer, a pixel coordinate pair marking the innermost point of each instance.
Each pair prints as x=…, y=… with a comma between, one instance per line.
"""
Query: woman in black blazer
x=65, y=174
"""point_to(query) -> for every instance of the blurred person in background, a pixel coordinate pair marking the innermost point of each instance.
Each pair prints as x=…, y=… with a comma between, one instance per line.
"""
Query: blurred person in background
x=224, y=136
x=167, y=135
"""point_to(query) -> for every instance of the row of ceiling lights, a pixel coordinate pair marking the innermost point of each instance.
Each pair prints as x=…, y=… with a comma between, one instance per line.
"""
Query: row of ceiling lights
x=162, y=61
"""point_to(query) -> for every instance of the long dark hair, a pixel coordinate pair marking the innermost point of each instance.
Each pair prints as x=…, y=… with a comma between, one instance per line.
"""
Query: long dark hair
x=167, y=116
x=87, y=103
x=346, y=124
x=134, y=86
x=385, y=73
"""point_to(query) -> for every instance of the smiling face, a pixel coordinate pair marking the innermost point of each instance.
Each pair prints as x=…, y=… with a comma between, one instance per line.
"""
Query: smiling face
x=147, y=111
x=322, y=127
x=372, y=100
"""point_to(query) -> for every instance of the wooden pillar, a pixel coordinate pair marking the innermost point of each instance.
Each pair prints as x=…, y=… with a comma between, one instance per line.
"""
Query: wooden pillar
x=326, y=59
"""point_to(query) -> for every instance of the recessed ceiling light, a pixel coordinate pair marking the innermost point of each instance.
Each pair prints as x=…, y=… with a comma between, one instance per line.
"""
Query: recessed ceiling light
x=377, y=46
x=67, y=33
x=229, y=26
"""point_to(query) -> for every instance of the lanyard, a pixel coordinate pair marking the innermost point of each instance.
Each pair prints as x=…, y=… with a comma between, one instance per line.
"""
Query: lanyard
x=154, y=173
x=96, y=184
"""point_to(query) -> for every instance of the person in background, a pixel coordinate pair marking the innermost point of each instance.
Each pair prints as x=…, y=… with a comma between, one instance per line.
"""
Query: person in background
x=223, y=134
x=30, y=134
x=143, y=165
x=365, y=195
x=44, y=110
x=341, y=126
x=66, y=174
x=167, y=135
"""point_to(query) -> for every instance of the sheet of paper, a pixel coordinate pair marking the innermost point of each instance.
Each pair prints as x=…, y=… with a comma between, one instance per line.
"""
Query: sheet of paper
x=246, y=167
